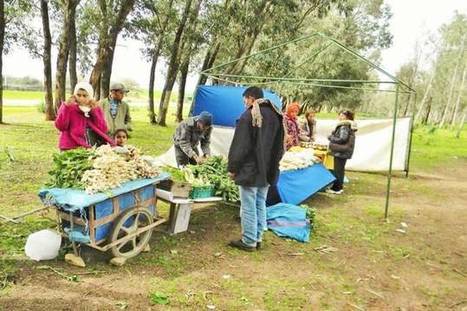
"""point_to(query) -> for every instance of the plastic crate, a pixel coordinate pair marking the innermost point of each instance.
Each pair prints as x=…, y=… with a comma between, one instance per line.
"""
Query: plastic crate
x=202, y=192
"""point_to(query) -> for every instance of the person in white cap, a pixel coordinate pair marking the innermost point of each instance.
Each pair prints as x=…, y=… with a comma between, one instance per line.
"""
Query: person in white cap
x=117, y=111
x=81, y=121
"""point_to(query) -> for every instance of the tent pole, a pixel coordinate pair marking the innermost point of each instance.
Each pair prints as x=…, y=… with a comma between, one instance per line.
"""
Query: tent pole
x=394, y=120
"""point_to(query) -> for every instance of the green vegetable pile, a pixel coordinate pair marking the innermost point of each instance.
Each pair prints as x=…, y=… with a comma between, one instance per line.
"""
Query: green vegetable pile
x=69, y=167
x=177, y=175
x=214, y=170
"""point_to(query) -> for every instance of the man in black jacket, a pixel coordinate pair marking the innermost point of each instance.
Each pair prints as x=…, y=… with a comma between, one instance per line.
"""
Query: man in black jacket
x=254, y=156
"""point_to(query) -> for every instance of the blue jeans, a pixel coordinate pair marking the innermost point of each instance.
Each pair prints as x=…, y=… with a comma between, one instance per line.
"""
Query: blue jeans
x=253, y=200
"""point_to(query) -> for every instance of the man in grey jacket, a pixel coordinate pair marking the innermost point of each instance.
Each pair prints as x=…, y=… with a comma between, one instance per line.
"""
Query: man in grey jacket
x=116, y=110
x=189, y=133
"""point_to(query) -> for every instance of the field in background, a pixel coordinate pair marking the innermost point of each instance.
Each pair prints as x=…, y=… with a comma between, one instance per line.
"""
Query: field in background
x=35, y=98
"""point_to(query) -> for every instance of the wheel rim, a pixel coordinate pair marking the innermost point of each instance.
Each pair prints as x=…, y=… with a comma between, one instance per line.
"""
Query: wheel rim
x=128, y=225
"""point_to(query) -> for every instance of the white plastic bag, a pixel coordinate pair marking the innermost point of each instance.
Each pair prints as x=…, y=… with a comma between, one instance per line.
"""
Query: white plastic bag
x=43, y=245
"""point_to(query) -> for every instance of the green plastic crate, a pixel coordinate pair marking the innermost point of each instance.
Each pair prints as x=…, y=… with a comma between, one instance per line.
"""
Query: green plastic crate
x=202, y=192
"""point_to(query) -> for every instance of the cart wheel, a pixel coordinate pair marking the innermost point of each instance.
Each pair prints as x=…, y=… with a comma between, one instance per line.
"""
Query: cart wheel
x=130, y=222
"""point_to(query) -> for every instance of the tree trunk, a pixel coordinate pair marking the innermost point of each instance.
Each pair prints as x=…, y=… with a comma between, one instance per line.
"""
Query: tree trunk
x=47, y=60
x=453, y=82
x=107, y=68
x=248, y=41
x=154, y=60
x=173, y=66
x=428, y=111
x=461, y=125
x=73, y=50
x=181, y=88
x=425, y=96
x=102, y=70
x=2, y=38
x=451, y=91
x=209, y=62
x=95, y=78
x=458, y=101
x=152, y=78
x=62, y=59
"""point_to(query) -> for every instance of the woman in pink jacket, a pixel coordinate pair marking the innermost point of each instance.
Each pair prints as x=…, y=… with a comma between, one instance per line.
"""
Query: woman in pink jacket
x=81, y=121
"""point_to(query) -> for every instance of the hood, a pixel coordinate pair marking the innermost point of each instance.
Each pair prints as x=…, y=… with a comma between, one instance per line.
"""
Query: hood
x=352, y=124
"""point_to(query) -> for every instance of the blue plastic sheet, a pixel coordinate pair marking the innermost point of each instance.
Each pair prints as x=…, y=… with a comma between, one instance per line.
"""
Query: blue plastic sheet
x=225, y=103
x=288, y=220
x=76, y=200
x=296, y=186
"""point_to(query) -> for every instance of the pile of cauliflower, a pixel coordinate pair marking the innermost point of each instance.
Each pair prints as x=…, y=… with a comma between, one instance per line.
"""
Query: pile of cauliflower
x=114, y=166
x=296, y=159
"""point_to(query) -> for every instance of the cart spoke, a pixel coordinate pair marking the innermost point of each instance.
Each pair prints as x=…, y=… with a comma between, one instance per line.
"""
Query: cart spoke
x=126, y=230
x=134, y=226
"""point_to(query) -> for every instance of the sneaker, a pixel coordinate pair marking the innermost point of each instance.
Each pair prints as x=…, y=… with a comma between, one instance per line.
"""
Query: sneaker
x=240, y=245
x=258, y=245
x=334, y=192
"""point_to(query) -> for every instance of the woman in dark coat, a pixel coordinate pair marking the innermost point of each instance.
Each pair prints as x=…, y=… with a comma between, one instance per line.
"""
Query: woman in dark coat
x=341, y=143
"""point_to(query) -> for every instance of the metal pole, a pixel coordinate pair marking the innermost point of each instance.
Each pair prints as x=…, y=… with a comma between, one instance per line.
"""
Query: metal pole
x=260, y=52
x=225, y=75
x=394, y=121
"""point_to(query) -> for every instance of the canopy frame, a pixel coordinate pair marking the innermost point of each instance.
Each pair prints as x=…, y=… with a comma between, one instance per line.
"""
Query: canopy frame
x=401, y=87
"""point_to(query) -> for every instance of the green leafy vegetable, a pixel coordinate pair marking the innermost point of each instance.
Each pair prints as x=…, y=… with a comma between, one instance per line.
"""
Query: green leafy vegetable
x=69, y=167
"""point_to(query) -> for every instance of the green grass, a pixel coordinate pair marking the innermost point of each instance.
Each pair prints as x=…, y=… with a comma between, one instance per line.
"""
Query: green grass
x=22, y=95
x=432, y=146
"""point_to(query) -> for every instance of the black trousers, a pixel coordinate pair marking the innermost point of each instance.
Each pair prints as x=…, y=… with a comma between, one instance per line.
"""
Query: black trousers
x=182, y=158
x=339, y=173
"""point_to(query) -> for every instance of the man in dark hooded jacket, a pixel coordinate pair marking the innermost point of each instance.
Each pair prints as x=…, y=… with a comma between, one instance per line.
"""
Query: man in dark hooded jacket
x=254, y=157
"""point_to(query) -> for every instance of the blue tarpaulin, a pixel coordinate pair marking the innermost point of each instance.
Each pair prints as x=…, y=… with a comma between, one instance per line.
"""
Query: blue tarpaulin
x=225, y=102
x=296, y=186
x=74, y=200
x=288, y=220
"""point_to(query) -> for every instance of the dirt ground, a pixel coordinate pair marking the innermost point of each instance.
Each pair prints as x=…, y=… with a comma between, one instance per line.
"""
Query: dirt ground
x=369, y=265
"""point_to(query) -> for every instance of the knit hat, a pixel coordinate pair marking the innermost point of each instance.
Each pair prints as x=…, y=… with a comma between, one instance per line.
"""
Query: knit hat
x=118, y=87
x=205, y=118
x=84, y=86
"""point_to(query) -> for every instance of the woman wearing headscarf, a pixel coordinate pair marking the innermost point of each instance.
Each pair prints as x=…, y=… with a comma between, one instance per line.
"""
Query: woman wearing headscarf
x=292, y=130
x=81, y=121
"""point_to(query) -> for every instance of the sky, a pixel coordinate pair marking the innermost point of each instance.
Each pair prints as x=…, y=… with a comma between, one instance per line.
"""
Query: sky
x=412, y=20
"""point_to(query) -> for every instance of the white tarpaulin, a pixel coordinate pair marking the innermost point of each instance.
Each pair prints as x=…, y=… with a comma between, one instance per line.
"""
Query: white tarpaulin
x=372, y=144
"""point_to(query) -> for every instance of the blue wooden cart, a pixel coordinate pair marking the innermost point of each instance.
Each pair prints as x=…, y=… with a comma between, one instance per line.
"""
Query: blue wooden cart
x=121, y=220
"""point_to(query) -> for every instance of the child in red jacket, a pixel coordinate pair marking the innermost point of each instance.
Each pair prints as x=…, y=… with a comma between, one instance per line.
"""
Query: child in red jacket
x=81, y=121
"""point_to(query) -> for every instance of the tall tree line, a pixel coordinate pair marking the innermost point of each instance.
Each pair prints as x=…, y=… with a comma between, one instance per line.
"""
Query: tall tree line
x=437, y=71
x=196, y=35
